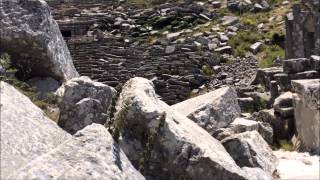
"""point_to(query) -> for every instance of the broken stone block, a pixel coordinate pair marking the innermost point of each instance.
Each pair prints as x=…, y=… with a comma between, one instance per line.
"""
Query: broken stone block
x=306, y=101
x=255, y=48
x=246, y=104
x=212, y=110
x=283, y=105
x=224, y=50
x=296, y=65
x=249, y=149
x=229, y=20
x=83, y=102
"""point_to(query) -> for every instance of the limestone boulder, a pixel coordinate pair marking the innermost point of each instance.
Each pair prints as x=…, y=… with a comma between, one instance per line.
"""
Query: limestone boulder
x=216, y=109
x=26, y=133
x=90, y=154
x=164, y=144
x=306, y=101
x=249, y=149
x=83, y=102
x=33, y=39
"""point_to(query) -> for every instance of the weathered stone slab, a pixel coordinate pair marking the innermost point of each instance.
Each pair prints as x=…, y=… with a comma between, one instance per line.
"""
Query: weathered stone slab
x=26, y=133
x=213, y=110
x=296, y=65
x=90, y=154
x=249, y=149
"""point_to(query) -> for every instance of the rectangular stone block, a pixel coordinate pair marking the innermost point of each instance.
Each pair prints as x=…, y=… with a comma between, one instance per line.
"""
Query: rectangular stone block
x=306, y=101
x=296, y=65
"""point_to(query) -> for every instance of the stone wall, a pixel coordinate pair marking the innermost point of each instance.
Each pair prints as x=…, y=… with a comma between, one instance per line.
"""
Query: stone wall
x=302, y=30
x=112, y=61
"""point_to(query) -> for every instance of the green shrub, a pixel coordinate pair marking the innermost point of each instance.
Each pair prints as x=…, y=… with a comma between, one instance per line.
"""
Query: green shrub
x=207, y=70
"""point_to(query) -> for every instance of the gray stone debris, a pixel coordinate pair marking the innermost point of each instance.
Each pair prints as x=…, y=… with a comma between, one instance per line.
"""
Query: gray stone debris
x=26, y=133
x=229, y=20
x=90, y=154
x=255, y=48
x=249, y=149
x=32, y=37
x=307, y=113
x=83, y=102
x=213, y=110
x=166, y=144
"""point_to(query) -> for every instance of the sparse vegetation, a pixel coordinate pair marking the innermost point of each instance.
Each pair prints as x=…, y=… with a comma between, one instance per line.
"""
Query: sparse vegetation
x=9, y=76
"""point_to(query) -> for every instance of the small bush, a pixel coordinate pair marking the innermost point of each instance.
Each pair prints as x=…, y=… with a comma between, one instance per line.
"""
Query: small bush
x=207, y=70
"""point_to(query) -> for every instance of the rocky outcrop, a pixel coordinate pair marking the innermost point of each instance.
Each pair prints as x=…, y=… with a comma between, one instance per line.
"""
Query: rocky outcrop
x=307, y=113
x=90, y=154
x=83, y=102
x=165, y=144
x=33, y=39
x=26, y=133
x=249, y=149
x=213, y=110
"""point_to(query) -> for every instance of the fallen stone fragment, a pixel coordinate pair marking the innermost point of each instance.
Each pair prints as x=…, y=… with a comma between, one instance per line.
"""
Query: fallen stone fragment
x=90, y=154
x=249, y=149
x=213, y=110
x=83, y=102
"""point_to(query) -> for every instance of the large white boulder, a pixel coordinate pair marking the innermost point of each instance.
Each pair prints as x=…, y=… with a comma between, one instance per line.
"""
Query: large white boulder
x=165, y=144
x=83, y=102
x=90, y=154
x=26, y=133
x=216, y=109
x=33, y=39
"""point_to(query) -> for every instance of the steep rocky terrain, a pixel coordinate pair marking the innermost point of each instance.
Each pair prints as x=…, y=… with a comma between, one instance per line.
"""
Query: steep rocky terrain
x=157, y=90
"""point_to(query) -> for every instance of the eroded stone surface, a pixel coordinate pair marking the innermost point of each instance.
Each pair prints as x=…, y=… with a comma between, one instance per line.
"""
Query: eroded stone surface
x=306, y=101
x=32, y=37
x=213, y=110
x=90, y=154
x=26, y=133
x=166, y=144
x=249, y=149
x=83, y=102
